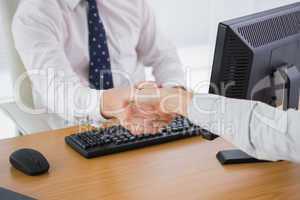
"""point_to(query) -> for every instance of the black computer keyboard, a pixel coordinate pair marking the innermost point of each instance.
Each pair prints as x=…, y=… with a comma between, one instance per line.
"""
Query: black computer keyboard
x=117, y=139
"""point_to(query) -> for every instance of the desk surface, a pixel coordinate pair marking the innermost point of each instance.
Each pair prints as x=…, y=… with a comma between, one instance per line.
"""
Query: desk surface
x=185, y=169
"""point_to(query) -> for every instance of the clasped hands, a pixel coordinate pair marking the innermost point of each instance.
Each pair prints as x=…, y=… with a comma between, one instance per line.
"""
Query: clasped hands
x=146, y=108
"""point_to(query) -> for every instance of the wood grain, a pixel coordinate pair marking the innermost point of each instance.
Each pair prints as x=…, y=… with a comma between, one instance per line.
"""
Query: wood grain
x=185, y=169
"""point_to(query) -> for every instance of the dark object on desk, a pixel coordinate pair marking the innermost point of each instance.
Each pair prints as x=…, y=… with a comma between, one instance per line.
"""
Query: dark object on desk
x=236, y=157
x=251, y=49
x=10, y=195
x=118, y=139
x=29, y=161
x=257, y=58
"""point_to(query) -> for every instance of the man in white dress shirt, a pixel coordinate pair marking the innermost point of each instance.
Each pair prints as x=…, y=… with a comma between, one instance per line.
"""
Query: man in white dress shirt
x=53, y=38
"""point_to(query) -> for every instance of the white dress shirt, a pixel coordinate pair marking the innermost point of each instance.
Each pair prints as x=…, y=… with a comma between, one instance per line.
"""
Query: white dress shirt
x=261, y=131
x=52, y=36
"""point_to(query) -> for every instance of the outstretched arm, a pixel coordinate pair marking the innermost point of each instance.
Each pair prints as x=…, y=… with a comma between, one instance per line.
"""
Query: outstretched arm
x=260, y=130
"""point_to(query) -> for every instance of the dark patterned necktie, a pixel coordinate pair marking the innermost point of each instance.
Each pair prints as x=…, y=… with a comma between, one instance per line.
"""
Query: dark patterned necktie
x=100, y=74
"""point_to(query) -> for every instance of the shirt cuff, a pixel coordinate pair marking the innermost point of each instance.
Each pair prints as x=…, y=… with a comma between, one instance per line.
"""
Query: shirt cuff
x=95, y=115
x=202, y=110
x=174, y=83
x=171, y=76
x=225, y=117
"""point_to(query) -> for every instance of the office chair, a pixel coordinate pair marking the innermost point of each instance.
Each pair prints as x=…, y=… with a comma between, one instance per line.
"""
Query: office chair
x=25, y=123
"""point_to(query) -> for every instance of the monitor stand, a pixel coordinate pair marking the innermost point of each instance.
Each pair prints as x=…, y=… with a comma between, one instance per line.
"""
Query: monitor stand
x=289, y=76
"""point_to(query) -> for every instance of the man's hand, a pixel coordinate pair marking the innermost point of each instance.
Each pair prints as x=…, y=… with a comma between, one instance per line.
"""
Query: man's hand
x=175, y=101
x=115, y=102
x=165, y=102
x=169, y=101
x=119, y=104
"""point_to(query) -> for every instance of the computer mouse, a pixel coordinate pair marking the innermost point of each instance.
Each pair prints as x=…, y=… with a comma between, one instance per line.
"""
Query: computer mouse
x=29, y=161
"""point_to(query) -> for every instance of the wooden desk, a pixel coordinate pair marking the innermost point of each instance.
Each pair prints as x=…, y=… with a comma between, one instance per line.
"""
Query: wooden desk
x=185, y=169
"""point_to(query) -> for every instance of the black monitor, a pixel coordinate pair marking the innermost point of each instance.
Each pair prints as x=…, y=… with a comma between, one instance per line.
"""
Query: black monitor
x=257, y=57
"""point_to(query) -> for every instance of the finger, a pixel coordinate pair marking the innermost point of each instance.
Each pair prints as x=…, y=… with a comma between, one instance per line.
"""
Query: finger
x=137, y=122
x=145, y=111
x=136, y=129
x=147, y=126
x=153, y=114
x=157, y=116
x=147, y=97
x=157, y=126
x=147, y=85
x=140, y=122
x=110, y=123
x=139, y=125
x=140, y=129
x=134, y=112
x=132, y=124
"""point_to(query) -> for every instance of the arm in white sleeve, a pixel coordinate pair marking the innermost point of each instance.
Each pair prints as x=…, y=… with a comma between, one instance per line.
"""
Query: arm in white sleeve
x=39, y=41
x=256, y=128
x=155, y=50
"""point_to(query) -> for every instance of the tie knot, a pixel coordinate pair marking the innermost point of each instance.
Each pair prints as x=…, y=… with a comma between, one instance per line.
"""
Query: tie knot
x=91, y=1
x=92, y=4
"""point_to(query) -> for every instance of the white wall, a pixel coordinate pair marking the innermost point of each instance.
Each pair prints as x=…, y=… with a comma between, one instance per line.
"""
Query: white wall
x=194, y=22
x=183, y=20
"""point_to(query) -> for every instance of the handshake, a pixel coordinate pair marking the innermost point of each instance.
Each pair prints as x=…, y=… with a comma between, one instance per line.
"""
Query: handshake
x=146, y=108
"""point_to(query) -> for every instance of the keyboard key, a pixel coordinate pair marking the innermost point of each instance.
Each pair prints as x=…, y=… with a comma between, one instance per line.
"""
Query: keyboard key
x=140, y=137
x=107, y=141
x=119, y=142
x=80, y=142
x=125, y=140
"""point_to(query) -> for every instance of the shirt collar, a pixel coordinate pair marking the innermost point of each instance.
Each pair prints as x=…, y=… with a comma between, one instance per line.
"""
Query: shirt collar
x=73, y=3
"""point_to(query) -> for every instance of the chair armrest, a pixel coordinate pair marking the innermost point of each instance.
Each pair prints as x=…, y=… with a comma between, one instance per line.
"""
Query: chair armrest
x=25, y=123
